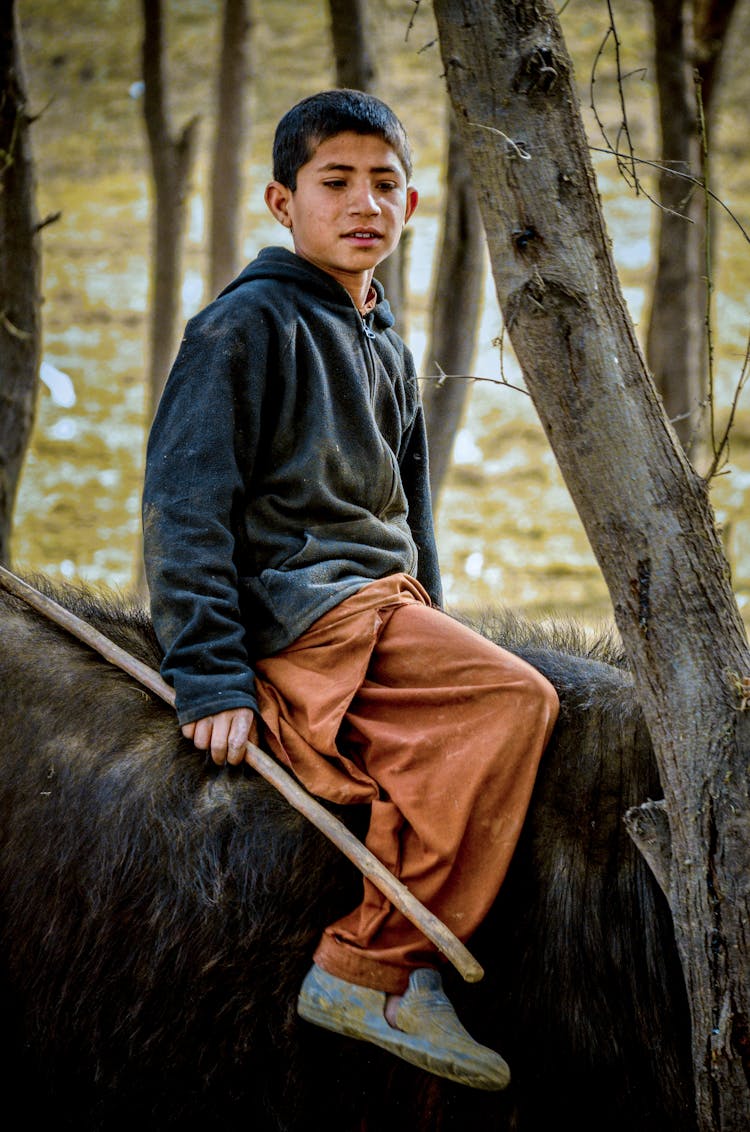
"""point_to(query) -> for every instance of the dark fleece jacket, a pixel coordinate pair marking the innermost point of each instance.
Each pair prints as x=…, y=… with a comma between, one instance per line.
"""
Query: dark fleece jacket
x=286, y=468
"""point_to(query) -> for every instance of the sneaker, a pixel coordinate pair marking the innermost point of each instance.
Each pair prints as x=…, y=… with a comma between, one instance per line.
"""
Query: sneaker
x=429, y=1035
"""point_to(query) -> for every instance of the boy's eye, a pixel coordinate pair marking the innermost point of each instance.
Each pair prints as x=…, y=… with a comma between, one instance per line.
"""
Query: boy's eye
x=387, y=186
x=338, y=183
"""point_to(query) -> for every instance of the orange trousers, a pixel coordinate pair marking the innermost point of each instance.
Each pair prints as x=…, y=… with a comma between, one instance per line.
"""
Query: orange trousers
x=389, y=701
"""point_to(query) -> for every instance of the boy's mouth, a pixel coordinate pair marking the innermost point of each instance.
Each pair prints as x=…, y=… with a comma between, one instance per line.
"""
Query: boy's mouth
x=363, y=235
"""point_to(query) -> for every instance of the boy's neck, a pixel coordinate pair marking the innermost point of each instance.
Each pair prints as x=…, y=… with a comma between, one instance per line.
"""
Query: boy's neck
x=358, y=285
x=363, y=297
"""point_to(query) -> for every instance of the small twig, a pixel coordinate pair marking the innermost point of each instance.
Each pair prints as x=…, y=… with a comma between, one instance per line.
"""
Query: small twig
x=13, y=330
x=692, y=180
x=50, y=218
x=628, y=175
x=592, y=84
x=623, y=109
x=7, y=156
x=688, y=413
x=519, y=151
x=442, y=377
x=32, y=118
x=722, y=449
x=708, y=264
x=413, y=18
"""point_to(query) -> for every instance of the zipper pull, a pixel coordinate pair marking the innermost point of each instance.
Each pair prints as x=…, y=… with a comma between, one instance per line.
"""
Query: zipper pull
x=368, y=333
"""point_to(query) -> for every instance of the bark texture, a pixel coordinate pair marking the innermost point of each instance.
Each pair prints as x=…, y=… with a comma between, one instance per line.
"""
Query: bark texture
x=456, y=307
x=230, y=138
x=646, y=512
x=171, y=163
x=20, y=267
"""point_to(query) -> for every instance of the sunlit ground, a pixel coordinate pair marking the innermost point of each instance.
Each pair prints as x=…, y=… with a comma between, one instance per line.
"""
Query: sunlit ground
x=507, y=530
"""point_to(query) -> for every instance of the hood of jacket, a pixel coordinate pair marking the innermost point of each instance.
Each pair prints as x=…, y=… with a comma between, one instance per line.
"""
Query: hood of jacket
x=286, y=266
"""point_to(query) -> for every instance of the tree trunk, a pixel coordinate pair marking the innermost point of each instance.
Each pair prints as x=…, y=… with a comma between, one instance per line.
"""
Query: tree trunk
x=171, y=163
x=456, y=306
x=645, y=510
x=711, y=20
x=676, y=346
x=229, y=141
x=355, y=68
x=393, y=273
x=689, y=37
x=20, y=270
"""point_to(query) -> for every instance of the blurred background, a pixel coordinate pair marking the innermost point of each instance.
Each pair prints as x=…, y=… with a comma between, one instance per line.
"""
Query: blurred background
x=507, y=531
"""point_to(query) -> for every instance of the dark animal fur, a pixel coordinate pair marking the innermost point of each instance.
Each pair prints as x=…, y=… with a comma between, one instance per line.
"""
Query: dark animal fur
x=157, y=916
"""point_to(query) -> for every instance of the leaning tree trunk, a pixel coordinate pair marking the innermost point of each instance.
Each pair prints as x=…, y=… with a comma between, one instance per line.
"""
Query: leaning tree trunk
x=644, y=508
x=456, y=306
x=230, y=141
x=20, y=258
x=171, y=163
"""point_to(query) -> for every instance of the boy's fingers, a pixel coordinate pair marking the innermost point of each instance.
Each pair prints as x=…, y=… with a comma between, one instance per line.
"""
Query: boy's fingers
x=224, y=734
x=207, y=734
x=202, y=734
x=239, y=733
x=219, y=737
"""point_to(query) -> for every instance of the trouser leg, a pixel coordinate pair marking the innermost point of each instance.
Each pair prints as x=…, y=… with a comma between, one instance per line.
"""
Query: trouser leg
x=452, y=728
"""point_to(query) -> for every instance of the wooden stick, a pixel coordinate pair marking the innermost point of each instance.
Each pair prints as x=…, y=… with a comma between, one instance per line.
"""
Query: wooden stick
x=334, y=829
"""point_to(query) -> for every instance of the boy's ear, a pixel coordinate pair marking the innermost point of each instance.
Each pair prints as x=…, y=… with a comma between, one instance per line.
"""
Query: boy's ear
x=412, y=200
x=277, y=197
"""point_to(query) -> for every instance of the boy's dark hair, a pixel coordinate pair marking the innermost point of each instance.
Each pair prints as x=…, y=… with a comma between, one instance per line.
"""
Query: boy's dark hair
x=321, y=116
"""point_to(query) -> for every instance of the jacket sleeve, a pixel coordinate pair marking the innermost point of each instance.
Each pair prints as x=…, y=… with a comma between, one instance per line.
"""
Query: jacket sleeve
x=415, y=476
x=199, y=459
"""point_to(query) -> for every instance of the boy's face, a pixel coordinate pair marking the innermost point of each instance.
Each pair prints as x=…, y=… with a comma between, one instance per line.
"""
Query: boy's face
x=349, y=208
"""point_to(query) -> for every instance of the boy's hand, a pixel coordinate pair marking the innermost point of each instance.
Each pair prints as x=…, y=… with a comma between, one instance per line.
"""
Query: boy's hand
x=224, y=734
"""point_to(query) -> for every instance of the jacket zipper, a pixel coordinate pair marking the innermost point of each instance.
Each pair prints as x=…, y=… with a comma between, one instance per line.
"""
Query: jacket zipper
x=370, y=336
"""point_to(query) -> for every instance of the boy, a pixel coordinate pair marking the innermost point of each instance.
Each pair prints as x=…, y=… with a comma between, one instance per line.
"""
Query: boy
x=293, y=578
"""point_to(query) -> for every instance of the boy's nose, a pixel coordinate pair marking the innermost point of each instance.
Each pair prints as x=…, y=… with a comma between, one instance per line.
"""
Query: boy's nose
x=363, y=202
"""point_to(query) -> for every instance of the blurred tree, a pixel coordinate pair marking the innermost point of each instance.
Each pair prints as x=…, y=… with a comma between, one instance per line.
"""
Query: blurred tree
x=230, y=140
x=689, y=38
x=456, y=309
x=171, y=164
x=644, y=508
x=20, y=268
x=351, y=35
x=458, y=280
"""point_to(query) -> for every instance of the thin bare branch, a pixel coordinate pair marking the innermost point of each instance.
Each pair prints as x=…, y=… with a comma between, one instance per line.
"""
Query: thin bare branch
x=684, y=176
x=413, y=18
x=721, y=453
x=441, y=377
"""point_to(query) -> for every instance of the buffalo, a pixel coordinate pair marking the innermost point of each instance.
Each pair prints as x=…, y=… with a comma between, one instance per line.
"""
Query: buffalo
x=157, y=916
